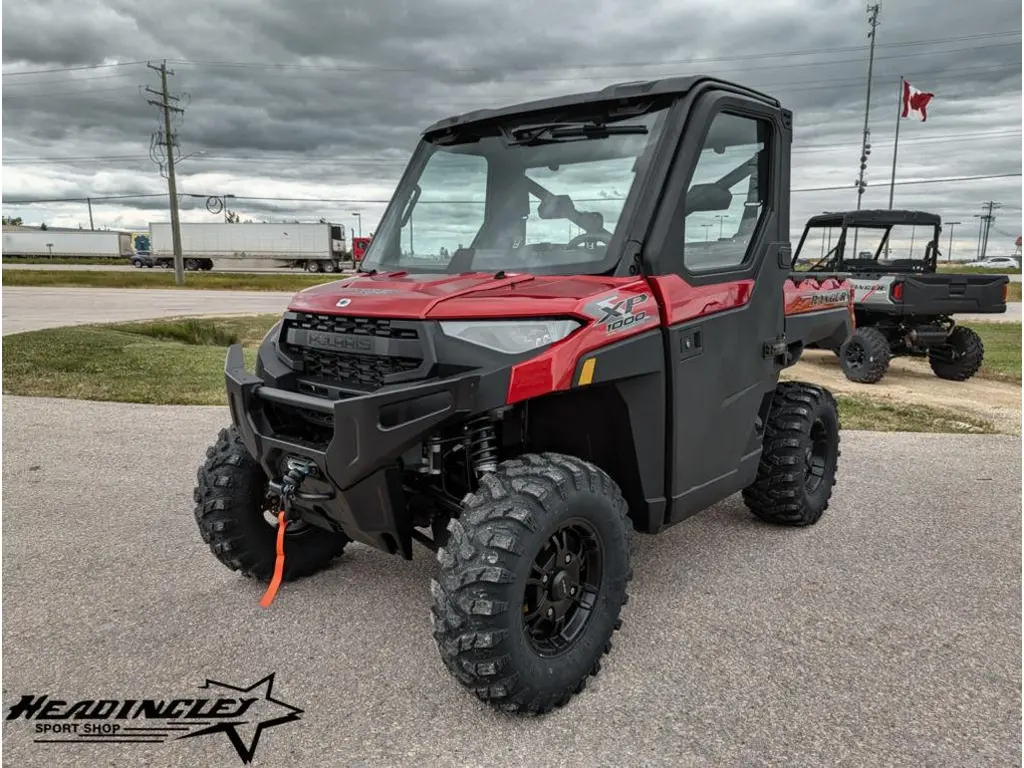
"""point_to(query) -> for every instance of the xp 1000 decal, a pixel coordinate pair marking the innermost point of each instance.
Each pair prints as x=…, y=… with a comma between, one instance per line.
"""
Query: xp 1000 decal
x=618, y=313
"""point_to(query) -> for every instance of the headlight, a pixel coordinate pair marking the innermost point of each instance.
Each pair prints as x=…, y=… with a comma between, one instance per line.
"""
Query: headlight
x=511, y=337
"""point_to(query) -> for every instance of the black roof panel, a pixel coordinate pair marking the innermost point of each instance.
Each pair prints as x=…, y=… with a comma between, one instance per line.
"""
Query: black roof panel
x=874, y=217
x=637, y=88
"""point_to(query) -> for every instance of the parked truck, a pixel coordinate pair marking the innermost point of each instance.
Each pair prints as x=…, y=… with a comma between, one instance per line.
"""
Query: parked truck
x=313, y=247
x=73, y=244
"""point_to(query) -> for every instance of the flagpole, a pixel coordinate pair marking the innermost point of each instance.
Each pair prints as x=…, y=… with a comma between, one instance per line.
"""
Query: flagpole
x=896, y=143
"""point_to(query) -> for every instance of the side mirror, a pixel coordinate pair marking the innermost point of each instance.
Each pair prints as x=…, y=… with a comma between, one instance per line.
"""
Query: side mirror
x=707, y=197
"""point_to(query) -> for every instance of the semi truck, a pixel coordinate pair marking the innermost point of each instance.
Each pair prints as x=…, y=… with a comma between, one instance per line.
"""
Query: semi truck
x=314, y=247
x=68, y=244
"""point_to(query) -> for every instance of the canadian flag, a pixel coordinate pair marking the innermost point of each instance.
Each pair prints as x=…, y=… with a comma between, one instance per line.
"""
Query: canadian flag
x=915, y=102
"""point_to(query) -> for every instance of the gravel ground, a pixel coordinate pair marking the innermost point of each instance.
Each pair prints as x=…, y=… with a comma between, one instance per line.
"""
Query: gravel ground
x=888, y=634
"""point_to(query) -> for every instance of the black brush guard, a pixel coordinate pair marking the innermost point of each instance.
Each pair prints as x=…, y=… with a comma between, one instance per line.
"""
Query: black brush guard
x=357, y=486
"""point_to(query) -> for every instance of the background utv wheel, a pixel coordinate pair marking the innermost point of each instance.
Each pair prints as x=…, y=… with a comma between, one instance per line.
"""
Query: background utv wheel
x=532, y=580
x=960, y=357
x=799, y=459
x=865, y=356
x=238, y=523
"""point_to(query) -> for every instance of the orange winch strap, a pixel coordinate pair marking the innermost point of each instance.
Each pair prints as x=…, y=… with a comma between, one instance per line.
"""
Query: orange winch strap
x=275, y=582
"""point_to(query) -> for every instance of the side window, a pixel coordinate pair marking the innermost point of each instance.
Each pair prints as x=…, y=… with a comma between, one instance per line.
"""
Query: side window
x=727, y=193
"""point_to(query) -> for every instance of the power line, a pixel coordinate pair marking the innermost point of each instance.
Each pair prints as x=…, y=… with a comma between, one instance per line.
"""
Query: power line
x=382, y=201
x=72, y=69
x=298, y=156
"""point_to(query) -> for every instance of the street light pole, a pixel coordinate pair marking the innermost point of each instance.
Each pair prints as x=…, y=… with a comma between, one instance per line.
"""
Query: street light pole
x=359, y=221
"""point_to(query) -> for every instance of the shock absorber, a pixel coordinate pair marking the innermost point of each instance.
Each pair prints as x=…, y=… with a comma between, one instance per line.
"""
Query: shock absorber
x=483, y=445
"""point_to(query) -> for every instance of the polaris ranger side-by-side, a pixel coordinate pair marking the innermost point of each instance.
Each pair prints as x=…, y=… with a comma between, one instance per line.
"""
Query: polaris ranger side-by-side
x=543, y=352
x=902, y=304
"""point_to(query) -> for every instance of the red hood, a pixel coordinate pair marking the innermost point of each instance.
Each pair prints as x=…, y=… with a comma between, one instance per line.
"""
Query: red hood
x=479, y=294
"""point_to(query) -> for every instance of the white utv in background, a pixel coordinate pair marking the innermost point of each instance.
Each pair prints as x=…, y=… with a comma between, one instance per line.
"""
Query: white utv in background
x=902, y=304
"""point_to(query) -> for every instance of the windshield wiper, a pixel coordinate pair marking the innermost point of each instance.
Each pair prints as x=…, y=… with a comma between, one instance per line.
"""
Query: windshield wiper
x=555, y=132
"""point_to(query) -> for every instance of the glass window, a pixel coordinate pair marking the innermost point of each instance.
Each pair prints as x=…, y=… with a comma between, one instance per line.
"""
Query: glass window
x=727, y=193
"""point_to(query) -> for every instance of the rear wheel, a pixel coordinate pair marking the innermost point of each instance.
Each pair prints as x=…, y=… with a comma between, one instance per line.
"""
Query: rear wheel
x=191, y=265
x=799, y=457
x=960, y=357
x=329, y=267
x=865, y=356
x=533, y=577
x=239, y=525
x=312, y=266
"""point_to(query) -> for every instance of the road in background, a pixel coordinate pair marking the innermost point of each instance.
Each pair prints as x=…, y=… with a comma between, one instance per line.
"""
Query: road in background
x=31, y=309
x=888, y=633
x=244, y=268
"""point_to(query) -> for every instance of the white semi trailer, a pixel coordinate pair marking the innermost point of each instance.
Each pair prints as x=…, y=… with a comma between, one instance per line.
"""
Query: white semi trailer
x=313, y=247
x=80, y=244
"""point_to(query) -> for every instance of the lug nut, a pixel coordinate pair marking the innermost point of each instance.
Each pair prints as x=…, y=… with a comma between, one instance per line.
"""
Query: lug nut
x=572, y=591
x=551, y=611
x=544, y=579
x=568, y=558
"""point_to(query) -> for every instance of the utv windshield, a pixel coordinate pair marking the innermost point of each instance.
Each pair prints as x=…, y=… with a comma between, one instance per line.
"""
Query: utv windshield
x=533, y=195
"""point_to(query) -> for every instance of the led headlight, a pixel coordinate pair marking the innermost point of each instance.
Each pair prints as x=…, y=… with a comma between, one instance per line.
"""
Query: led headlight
x=511, y=337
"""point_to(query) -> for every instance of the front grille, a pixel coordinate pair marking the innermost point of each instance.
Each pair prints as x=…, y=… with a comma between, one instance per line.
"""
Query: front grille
x=363, y=371
x=380, y=327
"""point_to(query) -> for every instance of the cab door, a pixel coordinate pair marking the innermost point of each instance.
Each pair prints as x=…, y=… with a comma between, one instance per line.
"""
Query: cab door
x=721, y=253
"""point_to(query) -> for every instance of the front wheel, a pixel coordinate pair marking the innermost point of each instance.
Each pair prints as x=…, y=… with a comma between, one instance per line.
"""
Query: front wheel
x=865, y=356
x=960, y=357
x=237, y=524
x=533, y=577
x=799, y=457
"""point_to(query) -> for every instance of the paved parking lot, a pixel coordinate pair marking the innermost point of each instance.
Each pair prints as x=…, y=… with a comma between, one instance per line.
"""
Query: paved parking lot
x=889, y=634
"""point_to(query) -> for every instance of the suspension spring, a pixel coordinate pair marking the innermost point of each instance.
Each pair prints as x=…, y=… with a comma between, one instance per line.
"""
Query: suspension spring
x=483, y=445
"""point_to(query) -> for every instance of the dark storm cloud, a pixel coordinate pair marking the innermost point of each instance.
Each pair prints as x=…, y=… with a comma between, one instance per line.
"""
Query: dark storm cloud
x=357, y=83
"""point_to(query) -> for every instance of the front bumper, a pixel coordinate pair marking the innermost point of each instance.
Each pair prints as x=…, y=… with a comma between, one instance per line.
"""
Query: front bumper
x=357, y=487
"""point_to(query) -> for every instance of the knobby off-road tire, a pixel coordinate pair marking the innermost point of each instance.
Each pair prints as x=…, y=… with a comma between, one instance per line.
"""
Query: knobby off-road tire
x=799, y=459
x=230, y=498
x=960, y=357
x=865, y=356
x=482, y=600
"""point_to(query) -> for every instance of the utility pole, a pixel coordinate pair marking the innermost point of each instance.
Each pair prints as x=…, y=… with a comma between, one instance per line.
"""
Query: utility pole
x=986, y=222
x=865, y=147
x=89, y=201
x=167, y=108
x=949, y=251
x=721, y=223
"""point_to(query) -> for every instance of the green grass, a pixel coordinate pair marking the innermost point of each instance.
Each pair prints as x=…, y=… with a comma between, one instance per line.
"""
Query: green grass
x=858, y=412
x=954, y=267
x=64, y=260
x=165, y=362
x=170, y=362
x=148, y=279
x=1002, y=350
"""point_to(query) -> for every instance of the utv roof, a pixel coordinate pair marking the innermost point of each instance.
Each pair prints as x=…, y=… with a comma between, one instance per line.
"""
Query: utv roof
x=629, y=90
x=878, y=218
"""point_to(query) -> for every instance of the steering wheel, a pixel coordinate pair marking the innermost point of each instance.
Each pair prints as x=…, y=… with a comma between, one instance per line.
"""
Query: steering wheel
x=590, y=237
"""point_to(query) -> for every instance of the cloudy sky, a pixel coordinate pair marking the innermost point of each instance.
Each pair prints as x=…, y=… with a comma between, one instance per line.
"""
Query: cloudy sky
x=316, y=99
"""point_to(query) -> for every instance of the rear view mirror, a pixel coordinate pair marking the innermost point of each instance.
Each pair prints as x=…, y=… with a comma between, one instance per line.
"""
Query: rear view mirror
x=707, y=197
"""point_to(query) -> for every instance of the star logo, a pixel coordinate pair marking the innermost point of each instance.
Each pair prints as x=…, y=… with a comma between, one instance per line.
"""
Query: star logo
x=265, y=712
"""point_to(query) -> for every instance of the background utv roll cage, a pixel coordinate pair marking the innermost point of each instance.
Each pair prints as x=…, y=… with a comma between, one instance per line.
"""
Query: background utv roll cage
x=836, y=259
